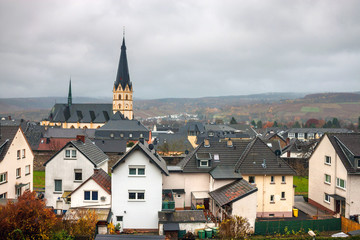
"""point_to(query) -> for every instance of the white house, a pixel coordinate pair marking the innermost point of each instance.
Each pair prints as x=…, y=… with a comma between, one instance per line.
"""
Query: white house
x=16, y=162
x=334, y=174
x=69, y=168
x=95, y=192
x=137, y=188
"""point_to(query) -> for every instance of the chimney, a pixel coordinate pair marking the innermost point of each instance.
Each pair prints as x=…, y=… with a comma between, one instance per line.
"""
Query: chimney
x=141, y=140
x=80, y=138
x=229, y=143
x=9, y=118
x=206, y=143
x=96, y=170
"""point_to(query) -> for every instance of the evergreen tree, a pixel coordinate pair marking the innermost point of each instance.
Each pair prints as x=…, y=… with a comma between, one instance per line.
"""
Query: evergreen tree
x=233, y=121
x=253, y=123
x=259, y=124
x=276, y=124
x=335, y=123
x=296, y=125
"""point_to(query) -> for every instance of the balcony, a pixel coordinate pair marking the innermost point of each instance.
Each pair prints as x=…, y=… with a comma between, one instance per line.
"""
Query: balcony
x=168, y=203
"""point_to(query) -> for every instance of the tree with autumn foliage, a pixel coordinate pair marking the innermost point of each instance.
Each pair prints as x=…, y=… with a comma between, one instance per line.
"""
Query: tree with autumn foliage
x=81, y=223
x=28, y=218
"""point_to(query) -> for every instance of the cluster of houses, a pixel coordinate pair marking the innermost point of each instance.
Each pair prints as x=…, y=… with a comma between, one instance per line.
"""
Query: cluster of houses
x=221, y=170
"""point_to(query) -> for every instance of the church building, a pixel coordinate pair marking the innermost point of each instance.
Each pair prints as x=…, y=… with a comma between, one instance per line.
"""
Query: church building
x=95, y=115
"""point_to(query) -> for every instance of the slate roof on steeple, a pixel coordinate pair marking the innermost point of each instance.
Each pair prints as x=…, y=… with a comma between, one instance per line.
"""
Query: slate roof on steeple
x=123, y=77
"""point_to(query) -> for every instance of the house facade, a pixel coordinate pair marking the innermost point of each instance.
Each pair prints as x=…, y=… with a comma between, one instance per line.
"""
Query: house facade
x=137, y=180
x=334, y=174
x=16, y=163
x=69, y=168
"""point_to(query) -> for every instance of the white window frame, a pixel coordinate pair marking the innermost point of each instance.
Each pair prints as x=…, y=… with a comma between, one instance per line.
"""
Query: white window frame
x=78, y=171
x=70, y=153
x=18, y=154
x=3, y=177
x=136, y=167
x=291, y=135
x=91, y=196
x=204, y=161
x=3, y=195
x=301, y=135
x=23, y=153
x=18, y=191
x=310, y=136
x=338, y=183
x=283, y=179
x=328, y=160
x=327, y=198
x=327, y=178
x=27, y=170
x=272, y=179
x=18, y=173
x=55, y=185
x=136, y=195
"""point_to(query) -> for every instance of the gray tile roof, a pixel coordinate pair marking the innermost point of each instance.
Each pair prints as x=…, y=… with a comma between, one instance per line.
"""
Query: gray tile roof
x=319, y=130
x=33, y=133
x=152, y=155
x=88, y=149
x=179, y=140
x=111, y=145
x=232, y=192
x=185, y=216
x=225, y=172
x=7, y=134
x=81, y=112
x=68, y=132
x=258, y=158
x=347, y=146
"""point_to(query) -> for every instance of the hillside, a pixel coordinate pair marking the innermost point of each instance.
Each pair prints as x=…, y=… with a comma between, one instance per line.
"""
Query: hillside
x=268, y=106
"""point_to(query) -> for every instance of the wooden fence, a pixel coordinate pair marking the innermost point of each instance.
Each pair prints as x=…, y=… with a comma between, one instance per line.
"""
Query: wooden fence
x=348, y=225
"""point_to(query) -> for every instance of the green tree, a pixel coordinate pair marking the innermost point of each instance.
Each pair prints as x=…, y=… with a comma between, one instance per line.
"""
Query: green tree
x=296, y=125
x=253, y=123
x=276, y=124
x=335, y=123
x=259, y=124
x=233, y=121
x=328, y=124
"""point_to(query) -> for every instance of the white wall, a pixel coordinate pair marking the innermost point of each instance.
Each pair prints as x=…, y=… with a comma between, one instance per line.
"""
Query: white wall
x=137, y=214
x=246, y=207
x=77, y=198
x=61, y=168
x=353, y=198
x=190, y=182
x=10, y=163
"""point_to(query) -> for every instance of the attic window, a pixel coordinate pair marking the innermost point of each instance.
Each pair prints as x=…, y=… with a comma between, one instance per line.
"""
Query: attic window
x=206, y=143
x=204, y=163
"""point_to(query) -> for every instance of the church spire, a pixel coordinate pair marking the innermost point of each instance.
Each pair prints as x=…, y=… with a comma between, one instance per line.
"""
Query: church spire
x=122, y=77
x=69, y=95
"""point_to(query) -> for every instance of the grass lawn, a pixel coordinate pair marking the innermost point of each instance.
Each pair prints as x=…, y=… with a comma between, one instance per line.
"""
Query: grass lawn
x=301, y=185
x=310, y=109
x=39, y=179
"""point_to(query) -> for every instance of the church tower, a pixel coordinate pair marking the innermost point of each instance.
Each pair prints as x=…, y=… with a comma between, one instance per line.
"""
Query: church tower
x=123, y=91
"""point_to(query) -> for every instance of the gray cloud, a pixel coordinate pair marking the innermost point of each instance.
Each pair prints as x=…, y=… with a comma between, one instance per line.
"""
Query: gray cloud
x=179, y=48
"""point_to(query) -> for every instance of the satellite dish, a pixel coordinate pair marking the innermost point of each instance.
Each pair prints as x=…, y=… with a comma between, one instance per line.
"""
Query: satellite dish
x=186, y=152
x=151, y=146
x=277, y=152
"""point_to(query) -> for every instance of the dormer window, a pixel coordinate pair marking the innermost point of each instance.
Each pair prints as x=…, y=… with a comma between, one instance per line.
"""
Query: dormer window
x=206, y=143
x=204, y=163
x=229, y=143
x=203, y=159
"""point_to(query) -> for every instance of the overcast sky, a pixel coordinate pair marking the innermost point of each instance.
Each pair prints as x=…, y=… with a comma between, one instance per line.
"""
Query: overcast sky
x=179, y=48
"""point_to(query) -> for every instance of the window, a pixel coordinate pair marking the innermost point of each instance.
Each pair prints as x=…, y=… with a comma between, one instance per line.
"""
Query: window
x=137, y=195
x=137, y=170
x=23, y=153
x=18, y=191
x=27, y=169
x=18, y=154
x=3, y=195
x=3, y=177
x=326, y=197
x=358, y=162
x=340, y=183
x=327, y=160
x=272, y=179
x=301, y=135
x=283, y=179
x=291, y=135
x=310, y=136
x=91, y=195
x=58, y=185
x=141, y=135
x=327, y=179
x=119, y=218
x=18, y=172
x=251, y=179
x=272, y=198
x=282, y=195
x=216, y=157
x=204, y=163
x=78, y=174
x=121, y=135
x=70, y=153
x=130, y=134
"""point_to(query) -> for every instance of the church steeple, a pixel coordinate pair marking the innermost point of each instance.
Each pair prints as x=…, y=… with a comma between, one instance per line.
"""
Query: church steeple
x=69, y=95
x=123, y=91
x=123, y=77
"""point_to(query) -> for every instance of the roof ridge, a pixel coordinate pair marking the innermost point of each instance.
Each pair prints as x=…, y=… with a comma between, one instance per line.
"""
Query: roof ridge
x=186, y=159
x=244, y=154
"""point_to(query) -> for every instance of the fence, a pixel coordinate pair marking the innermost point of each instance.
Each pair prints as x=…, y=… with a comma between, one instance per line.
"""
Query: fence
x=272, y=227
x=348, y=225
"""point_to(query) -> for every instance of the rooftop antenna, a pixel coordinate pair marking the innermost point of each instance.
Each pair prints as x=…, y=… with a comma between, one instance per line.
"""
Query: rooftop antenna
x=123, y=31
